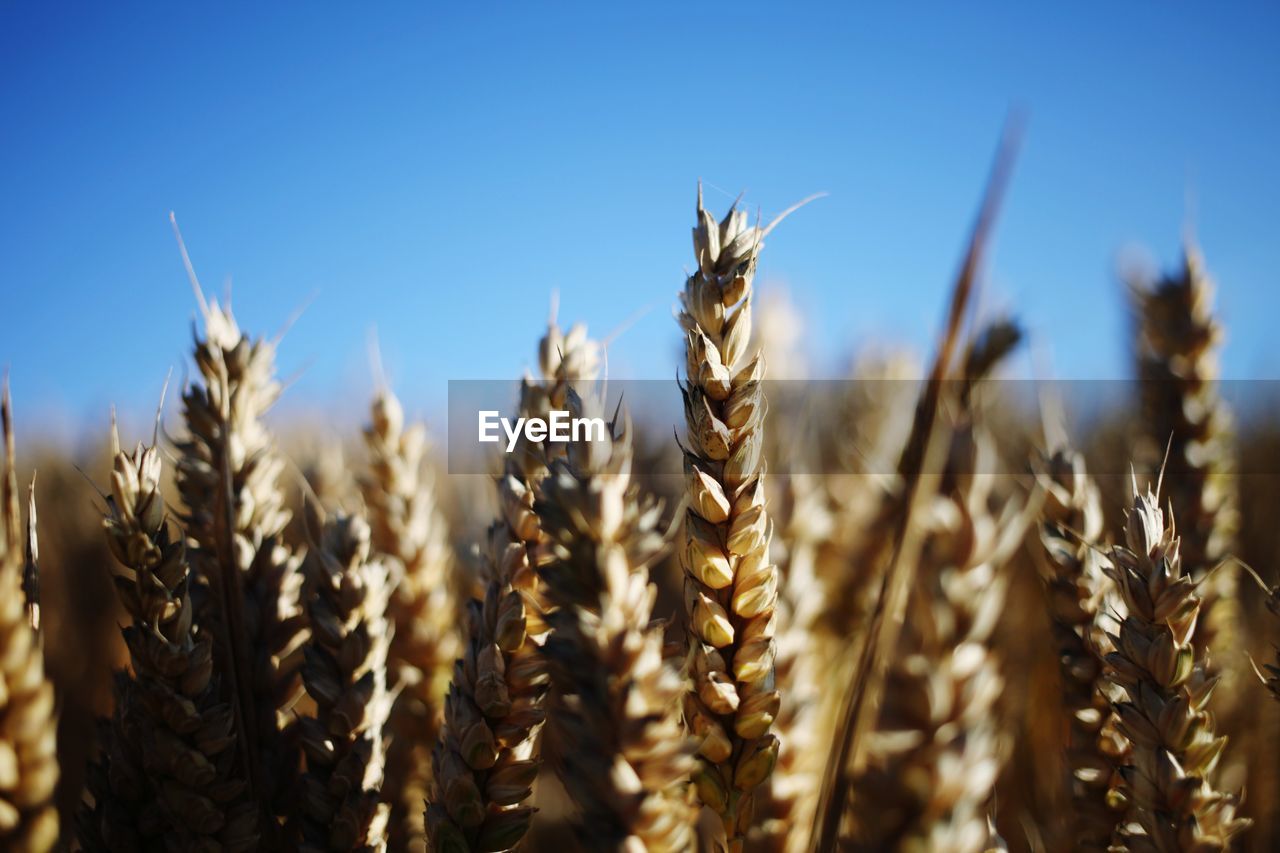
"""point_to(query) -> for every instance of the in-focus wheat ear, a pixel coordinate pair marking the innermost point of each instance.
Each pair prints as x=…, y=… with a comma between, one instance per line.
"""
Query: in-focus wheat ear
x=622, y=753
x=1186, y=420
x=730, y=582
x=168, y=774
x=345, y=673
x=28, y=726
x=228, y=476
x=1081, y=600
x=407, y=528
x=1173, y=804
x=486, y=758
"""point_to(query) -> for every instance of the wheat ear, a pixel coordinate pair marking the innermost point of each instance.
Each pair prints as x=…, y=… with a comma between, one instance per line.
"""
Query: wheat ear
x=168, y=771
x=730, y=583
x=786, y=812
x=407, y=527
x=345, y=674
x=1079, y=594
x=1183, y=412
x=228, y=473
x=28, y=725
x=1173, y=804
x=486, y=758
x=935, y=753
x=624, y=757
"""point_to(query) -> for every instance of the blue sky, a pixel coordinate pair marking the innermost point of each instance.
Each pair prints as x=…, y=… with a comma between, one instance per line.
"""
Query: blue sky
x=437, y=173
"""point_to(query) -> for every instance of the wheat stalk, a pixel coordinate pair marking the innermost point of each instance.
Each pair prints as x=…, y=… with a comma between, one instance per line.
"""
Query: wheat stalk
x=731, y=585
x=167, y=775
x=486, y=758
x=1079, y=593
x=1177, y=349
x=407, y=527
x=28, y=725
x=345, y=674
x=228, y=472
x=1173, y=804
x=624, y=758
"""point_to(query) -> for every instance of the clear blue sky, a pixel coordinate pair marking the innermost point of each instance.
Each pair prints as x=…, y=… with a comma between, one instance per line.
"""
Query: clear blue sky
x=439, y=173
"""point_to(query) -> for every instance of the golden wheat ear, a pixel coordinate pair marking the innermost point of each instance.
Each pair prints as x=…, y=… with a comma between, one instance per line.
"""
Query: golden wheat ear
x=228, y=475
x=486, y=759
x=28, y=722
x=1169, y=782
x=345, y=673
x=1080, y=599
x=409, y=531
x=622, y=752
x=167, y=770
x=1177, y=347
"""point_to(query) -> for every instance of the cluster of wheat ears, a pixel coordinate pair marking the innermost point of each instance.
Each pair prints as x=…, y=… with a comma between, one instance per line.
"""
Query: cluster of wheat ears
x=839, y=676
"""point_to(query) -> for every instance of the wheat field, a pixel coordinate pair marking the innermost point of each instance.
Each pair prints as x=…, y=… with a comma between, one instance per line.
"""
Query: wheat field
x=914, y=617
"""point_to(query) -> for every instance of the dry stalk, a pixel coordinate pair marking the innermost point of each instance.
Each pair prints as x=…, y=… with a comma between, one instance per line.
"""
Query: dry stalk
x=1173, y=803
x=731, y=585
x=408, y=528
x=1079, y=594
x=167, y=778
x=345, y=673
x=1177, y=349
x=228, y=472
x=28, y=728
x=487, y=755
x=624, y=756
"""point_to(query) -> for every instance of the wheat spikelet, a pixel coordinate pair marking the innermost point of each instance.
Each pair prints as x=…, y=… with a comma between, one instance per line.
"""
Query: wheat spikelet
x=28, y=728
x=1078, y=595
x=228, y=472
x=485, y=761
x=167, y=778
x=1177, y=349
x=1173, y=804
x=624, y=757
x=730, y=583
x=407, y=527
x=345, y=673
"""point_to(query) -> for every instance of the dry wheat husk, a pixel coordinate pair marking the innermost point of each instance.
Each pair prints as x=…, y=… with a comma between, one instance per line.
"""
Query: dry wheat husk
x=167, y=778
x=28, y=727
x=1080, y=598
x=1173, y=804
x=341, y=807
x=486, y=759
x=228, y=477
x=624, y=756
x=731, y=583
x=1177, y=348
x=407, y=527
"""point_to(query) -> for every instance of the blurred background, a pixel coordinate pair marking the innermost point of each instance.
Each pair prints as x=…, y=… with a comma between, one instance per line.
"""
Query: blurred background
x=433, y=172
